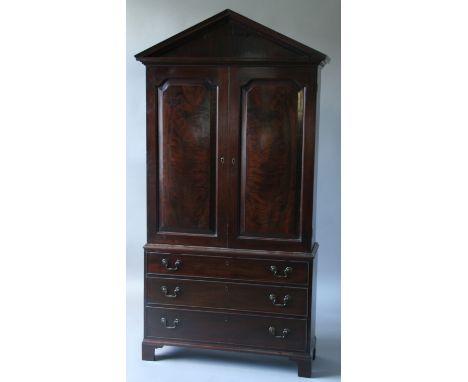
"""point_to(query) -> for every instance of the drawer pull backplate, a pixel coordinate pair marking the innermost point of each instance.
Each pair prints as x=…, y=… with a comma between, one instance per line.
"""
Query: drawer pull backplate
x=174, y=325
x=286, y=299
x=286, y=271
x=176, y=266
x=283, y=335
x=173, y=295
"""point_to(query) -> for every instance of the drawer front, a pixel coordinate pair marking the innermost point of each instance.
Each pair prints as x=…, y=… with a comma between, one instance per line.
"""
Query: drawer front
x=254, y=331
x=271, y=271
x=224, y=295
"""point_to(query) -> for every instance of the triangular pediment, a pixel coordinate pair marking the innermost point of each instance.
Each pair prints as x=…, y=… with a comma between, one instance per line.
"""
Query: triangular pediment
x=230, y=37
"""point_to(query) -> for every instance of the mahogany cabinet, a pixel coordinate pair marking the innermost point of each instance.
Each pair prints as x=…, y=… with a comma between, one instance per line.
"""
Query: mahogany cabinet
x=230, y=258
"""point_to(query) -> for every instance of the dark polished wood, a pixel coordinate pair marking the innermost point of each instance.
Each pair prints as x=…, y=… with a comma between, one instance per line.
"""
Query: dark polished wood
x=227, y=295
x=233, y=268
x=230, y=262
x=271, y=141
x=230, y=38
x=187, y=123
x=232, y=252
x=186, y=134
x=160, y=342
x=304, y=366
x=248, y=330
x=271, y=106
x=147, y=351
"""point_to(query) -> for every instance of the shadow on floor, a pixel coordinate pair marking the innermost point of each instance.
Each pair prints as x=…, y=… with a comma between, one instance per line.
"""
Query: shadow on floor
x=326, y=364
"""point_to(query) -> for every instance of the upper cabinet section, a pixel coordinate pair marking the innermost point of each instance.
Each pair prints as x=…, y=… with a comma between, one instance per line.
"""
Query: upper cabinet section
x=229, y=38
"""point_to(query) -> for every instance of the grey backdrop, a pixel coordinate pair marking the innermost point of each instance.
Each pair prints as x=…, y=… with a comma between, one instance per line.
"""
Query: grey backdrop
x=315, y=23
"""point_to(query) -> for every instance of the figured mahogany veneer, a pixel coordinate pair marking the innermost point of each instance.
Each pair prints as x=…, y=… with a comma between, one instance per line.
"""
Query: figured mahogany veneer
x=230, y=259
x=271, y=141
x=187, y=120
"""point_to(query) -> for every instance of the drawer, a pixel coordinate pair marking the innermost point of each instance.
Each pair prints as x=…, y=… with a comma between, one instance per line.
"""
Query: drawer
x=225, y=295
x=271, y=271
x=253, y=331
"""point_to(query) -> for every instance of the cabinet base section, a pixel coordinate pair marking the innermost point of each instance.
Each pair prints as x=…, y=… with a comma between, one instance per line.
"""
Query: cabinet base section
x=303, y=360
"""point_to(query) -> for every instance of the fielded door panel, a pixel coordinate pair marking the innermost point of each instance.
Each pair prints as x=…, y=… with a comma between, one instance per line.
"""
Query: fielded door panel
x=186, y=131
x=272, y=134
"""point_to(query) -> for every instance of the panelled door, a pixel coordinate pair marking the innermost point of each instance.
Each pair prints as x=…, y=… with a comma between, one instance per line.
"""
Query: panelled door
x=271, y=178
x=186, y=135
